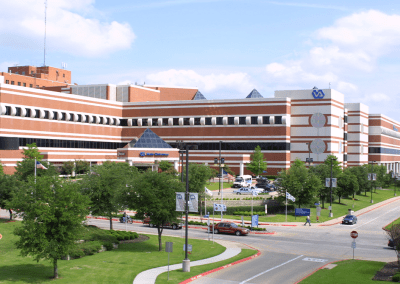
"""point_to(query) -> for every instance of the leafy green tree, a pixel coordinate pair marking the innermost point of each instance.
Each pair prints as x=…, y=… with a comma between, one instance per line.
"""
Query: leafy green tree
x=1, y=169
x=336, y=167
x=8, y=185
x=26, y=167
x=82, y=167
x=52, y=213
x=322, y=171
x=165, y=166
x=347, y=184
x=105, y=186
x=68, y=167
x=361, y=173
x=257, y=164
x=300, y=182
x=152, y=194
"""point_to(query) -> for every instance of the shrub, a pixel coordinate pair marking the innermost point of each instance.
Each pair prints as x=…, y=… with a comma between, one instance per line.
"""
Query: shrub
x=108, y=245
x=90, y=248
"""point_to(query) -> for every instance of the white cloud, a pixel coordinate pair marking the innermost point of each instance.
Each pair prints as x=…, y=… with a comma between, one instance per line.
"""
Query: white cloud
x=377, y=97
x=22, y=24
x=206, y=83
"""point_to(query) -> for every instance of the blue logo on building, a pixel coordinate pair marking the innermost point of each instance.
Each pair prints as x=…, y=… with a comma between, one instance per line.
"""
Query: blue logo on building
x=142, y=154
x=394, y=128
x=318, y=94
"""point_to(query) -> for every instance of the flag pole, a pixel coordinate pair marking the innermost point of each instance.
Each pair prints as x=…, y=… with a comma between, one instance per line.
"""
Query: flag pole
x=35, y=170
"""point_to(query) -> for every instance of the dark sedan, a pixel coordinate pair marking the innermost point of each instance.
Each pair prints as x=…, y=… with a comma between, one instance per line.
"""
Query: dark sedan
x=349, y=219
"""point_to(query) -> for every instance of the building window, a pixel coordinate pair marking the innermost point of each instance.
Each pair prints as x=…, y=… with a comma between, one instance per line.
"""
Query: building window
x=7, y=81
x=219, y=121
x=208, y=120
x=242, y=120
x=63, y=75
x=30, y=86
x=23, y=72
x=186, y=121
x=24, y=84
x=278, y=119
x=254, y=120
x=265, y=119
x=197, y=121
x=345, y=119
x=175, y=121
x=19, y=83
x=31, y=72
x=231, y=120
x=165, y=121
x=12, y=82
x=345, y=137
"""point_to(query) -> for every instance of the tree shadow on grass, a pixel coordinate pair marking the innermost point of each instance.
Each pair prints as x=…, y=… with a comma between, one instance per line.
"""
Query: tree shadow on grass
x=29, y=273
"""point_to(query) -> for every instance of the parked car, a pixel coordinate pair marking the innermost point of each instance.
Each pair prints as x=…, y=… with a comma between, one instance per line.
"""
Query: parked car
x=229, y=228
x=173, y=225
x=270, y=187
x=262, y=180
x=349, y=219
x=246, y=190
x=391, y=243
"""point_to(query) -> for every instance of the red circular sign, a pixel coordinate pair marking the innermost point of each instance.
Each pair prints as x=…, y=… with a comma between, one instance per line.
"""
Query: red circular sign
x=354, y=234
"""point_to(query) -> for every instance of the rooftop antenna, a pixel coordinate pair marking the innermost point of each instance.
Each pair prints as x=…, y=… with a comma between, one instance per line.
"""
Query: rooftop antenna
x=45, y=22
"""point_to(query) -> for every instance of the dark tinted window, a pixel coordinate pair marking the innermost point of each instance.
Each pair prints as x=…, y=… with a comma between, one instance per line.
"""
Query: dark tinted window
x=208, y=120
x=231, y=120
x=219, y=121
x=254, y=120
x=265, y=119
x=278, y=119
x=197, y=121
x=176, y=121
x=242, y=120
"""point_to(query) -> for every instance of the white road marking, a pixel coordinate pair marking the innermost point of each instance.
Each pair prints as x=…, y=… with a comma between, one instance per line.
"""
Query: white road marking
x=314, y=259
x=255, y=276
x=377, y=217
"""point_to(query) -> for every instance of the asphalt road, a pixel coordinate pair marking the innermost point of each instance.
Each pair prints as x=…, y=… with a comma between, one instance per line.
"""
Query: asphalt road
x=294, y=252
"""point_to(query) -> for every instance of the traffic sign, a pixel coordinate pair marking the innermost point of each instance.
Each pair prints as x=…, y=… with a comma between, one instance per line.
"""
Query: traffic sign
x=353, y=245
x=354, y=234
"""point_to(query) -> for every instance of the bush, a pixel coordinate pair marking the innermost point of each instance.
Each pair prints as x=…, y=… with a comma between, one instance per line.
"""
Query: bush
x=108, y=245
x=76, y=252
x=256, y=229
x=396, y=277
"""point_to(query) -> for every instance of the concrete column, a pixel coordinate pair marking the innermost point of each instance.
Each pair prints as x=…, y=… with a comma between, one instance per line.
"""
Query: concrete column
x=176, y=165
x=241, y=171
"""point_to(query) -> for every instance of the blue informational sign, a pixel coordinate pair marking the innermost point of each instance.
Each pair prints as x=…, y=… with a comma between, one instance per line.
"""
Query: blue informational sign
x=302, y=212
x=254, y=220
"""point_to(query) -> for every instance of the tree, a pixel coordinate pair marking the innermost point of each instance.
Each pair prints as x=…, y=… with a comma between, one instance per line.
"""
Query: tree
x=53, y=213
x=152, y=194
x=322, y=171
x=1, y=169
x=258, y=163
x=104, y=187
x=300, y=182
x=347, y=184
x=8, y=185
x=26, y=167
x=165, y=166
x=82, y=167
x=394, y=234
x=361, y=173
x=68, y=167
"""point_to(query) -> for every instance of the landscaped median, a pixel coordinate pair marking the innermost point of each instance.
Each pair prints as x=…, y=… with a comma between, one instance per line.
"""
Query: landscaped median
x=115, y=266
x=346, y=271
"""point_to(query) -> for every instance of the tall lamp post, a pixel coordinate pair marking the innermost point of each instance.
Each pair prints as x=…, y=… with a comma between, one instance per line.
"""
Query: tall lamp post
x=332, y=159
x=309, y=160
x=220, y=162
x=372, y=178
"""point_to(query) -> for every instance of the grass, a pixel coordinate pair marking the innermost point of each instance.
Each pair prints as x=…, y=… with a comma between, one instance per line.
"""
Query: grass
x=347, y=271
x=395, y=222
x=215, y=185
x=116, y=266
x=360, y=202
x=178, y=276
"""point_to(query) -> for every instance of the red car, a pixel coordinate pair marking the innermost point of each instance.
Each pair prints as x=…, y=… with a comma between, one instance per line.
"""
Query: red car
x=229, y=228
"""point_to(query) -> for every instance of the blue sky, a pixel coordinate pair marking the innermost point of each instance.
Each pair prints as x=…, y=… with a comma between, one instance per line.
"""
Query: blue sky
x=225, y=48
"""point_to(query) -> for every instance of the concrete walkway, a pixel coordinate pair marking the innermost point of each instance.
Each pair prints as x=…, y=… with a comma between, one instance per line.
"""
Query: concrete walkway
x=150, y=276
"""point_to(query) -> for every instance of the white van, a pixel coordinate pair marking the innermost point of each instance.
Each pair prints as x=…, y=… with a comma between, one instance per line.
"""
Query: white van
x=243, y=181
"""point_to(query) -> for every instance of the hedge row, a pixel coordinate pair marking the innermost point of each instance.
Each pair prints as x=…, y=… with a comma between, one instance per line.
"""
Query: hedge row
x=122, y=235
x=248, y=213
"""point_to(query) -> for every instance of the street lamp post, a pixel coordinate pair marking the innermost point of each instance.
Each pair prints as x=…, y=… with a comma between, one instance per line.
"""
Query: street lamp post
x=309, y=160
x=332, y=159
x=220, y=162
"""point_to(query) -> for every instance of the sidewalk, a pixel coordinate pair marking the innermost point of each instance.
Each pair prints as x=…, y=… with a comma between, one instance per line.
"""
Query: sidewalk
x=150, y=276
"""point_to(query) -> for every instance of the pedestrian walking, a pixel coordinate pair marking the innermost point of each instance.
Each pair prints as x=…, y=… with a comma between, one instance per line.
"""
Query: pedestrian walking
x=308, y=221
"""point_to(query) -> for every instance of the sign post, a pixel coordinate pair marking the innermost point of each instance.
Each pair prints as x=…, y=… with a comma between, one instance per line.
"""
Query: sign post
x=354, y=235
x=168, y=248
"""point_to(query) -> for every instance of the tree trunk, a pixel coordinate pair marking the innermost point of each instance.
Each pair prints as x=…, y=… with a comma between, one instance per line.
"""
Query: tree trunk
x=55, y=268
x=339, y=199
x=111, y=227
x=160, y=230
x=9, y=210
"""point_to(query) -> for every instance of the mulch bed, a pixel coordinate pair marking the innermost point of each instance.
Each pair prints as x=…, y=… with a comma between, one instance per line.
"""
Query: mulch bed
x=387, y=272
x=141, y=238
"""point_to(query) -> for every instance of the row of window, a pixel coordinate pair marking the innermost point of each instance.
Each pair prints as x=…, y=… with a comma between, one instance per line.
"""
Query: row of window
x=21, y=84
x=55, y=143
x=239, y=146
x=145, y=122
x=381, y=150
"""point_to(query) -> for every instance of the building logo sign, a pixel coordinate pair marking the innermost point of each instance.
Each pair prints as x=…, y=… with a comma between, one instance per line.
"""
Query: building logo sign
x=144, y=154
x=394, y=128
x=318, y=94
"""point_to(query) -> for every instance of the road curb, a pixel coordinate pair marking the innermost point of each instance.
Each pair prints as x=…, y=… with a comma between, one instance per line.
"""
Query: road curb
x=318, y=269
x=223, y=267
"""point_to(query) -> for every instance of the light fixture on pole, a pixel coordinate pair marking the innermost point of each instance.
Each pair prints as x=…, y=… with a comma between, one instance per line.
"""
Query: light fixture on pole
x=220, y=163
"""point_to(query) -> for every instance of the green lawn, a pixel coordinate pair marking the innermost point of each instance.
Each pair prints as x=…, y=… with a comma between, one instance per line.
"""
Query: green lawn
x=215, y=185
x=360, y=202
x=347, y=271
x=395, y=222
x=116, y=266
x=178, y=276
